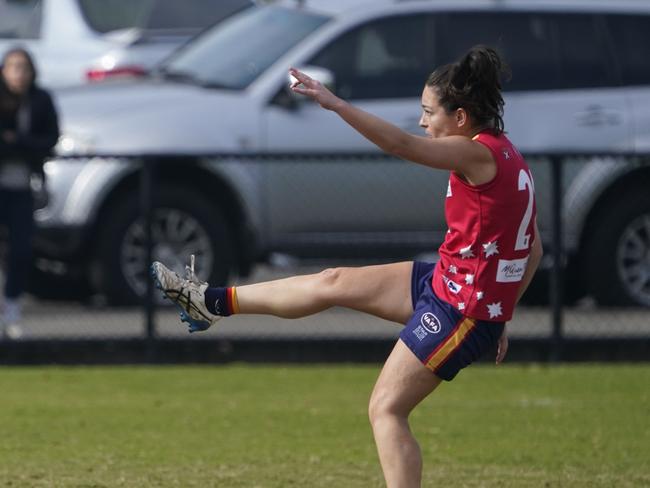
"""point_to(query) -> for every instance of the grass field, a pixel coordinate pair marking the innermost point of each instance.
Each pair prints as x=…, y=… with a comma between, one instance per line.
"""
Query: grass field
x=273, y=426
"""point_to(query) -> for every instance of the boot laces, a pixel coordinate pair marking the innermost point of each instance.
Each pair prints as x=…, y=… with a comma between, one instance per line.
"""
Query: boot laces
x=190, y=275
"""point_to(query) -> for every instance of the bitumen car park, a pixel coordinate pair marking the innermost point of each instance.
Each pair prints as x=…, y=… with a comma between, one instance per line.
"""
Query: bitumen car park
x=579, y=85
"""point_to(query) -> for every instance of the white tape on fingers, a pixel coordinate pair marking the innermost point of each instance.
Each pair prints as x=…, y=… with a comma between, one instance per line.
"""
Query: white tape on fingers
x=294, y=82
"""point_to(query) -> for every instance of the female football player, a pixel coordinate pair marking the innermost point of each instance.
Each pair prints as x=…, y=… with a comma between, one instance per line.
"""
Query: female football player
x=454, y=310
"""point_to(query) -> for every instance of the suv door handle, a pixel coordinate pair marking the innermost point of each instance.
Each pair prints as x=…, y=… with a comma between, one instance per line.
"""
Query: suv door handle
x=597, y=116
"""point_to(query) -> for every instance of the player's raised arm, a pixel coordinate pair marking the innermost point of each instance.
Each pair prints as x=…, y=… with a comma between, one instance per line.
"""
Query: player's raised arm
x=443, y=154
x=449, y=128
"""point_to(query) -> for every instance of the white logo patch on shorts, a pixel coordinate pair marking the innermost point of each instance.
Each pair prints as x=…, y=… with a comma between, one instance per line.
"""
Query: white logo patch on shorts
x=430, y=322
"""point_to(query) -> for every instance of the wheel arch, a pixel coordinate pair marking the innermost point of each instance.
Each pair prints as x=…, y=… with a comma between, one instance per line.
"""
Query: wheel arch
x=634, y=182
x=638, y=179
x=211, y=186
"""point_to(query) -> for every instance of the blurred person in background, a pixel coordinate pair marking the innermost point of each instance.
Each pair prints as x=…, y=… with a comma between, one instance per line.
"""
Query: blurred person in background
x=29, y=130
x=455, y=310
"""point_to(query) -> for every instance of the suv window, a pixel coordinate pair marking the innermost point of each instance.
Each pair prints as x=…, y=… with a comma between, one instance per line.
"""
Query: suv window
x=631, y=38
x=525, y=40
x=110, y=15
x=245, y=46
x=172, y=14
x=20, y=19
x=544, y=51
x=387, y=58
x=583, y=55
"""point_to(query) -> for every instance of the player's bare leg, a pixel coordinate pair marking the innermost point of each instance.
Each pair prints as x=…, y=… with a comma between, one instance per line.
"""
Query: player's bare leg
x=403, y=383
x=383, y=291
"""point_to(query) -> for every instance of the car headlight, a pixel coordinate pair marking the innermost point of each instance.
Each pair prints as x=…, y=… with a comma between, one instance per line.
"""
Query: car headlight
x=74, y=144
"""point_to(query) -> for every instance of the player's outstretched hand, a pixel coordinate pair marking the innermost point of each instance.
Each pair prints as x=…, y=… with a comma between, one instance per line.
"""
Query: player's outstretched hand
x=313, y=89
x=502, y=347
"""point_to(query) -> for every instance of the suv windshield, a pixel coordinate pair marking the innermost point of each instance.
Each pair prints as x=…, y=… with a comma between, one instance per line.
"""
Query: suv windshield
x=236, y=52
x=110, y=15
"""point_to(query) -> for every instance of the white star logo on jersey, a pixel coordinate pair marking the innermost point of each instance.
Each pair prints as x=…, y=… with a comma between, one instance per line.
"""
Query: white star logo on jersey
x=469, y=279
x=479, y=295
x=490, y=248
x=494, y=309
x=461, y=305
x=453, y=269
x=466, y=252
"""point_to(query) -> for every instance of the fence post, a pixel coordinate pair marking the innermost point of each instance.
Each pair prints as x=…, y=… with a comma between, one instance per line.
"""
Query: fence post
x=556, y=289
x=146, y=209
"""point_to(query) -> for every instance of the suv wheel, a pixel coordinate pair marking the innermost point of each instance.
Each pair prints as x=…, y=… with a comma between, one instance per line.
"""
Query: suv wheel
x=183, y=223
x=619, y=253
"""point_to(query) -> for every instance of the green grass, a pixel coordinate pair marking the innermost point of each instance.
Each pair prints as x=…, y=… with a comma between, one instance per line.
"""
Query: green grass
x=247, y=426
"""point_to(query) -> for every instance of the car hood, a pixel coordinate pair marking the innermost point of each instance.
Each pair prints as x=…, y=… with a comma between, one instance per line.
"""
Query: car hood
x=154, y=117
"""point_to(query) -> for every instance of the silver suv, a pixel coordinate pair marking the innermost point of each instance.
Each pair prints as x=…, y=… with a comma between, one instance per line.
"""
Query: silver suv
x=580, y=83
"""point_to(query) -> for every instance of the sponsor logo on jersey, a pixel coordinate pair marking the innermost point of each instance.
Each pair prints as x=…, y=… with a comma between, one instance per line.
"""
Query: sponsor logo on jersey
x=430, y=322
x=452, y=286
x=511, y=270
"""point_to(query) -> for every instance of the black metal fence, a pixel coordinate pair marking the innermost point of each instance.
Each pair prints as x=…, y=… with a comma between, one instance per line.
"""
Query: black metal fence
x=581, y=191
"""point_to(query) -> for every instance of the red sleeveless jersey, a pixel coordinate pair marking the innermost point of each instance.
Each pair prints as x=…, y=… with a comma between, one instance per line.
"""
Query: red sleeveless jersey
x=491, y=229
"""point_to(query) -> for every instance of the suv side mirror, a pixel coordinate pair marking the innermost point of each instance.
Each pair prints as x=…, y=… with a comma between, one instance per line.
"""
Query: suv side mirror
x=325, y=76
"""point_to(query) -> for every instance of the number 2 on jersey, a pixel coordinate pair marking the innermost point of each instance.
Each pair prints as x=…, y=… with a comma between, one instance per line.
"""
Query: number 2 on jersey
x=523, y=239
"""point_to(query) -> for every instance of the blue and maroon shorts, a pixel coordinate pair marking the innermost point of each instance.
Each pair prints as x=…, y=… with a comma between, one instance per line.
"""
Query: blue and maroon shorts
x=442, y=338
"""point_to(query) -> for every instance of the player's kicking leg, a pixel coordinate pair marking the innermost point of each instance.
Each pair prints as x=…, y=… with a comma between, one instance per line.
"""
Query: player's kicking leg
x=383, y=291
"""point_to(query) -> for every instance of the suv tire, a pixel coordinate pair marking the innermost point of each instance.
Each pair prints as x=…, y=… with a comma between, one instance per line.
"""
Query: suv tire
x=618, y=253
x=184, y=223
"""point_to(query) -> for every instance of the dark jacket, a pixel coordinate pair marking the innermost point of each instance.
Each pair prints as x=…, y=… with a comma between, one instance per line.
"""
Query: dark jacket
x=35, y=145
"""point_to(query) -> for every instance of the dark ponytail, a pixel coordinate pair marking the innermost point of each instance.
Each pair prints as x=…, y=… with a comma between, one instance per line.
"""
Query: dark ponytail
x=473, y=83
